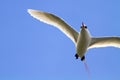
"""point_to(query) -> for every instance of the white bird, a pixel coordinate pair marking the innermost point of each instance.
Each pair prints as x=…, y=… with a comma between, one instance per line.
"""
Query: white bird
x=82, y=40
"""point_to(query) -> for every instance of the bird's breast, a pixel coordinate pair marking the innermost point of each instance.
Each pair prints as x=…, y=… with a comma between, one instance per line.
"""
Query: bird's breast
x=82, y=44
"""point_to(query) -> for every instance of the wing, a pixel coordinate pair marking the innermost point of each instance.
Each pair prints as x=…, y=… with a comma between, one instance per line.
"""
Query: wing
x=55, y=21
x=105, y=42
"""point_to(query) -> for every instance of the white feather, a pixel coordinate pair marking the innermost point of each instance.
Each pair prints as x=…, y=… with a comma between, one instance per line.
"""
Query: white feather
x=55, y=21
x=82, y=40
x=105, y=42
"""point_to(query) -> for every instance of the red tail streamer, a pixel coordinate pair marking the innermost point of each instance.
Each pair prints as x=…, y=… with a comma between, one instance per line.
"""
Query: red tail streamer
x=87, y=69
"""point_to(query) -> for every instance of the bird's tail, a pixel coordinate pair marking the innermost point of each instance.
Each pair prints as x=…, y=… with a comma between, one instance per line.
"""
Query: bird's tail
x=87, y=69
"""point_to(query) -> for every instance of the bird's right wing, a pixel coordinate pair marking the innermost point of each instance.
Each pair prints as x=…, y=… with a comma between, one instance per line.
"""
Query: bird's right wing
x=105, y=42
x=55, y=21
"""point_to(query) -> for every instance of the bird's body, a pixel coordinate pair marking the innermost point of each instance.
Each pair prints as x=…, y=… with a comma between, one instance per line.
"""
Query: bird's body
x=82, y=40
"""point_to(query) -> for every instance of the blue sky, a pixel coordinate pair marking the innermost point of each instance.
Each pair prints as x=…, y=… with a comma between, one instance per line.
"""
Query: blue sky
x=32, y=50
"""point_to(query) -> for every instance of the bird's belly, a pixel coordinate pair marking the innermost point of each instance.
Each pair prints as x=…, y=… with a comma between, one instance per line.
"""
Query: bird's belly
x=82, y=46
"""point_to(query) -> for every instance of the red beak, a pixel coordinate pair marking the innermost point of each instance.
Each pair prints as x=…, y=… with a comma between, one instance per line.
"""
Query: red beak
x=83, y=25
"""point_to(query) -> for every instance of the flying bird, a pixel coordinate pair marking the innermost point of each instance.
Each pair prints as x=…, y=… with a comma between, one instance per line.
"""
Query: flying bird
x=82, y=40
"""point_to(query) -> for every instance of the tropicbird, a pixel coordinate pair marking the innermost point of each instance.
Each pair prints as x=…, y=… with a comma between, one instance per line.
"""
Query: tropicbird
x=82, y=40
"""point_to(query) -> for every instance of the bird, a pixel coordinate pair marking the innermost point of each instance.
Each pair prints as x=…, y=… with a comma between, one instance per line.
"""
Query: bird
x=83, y=40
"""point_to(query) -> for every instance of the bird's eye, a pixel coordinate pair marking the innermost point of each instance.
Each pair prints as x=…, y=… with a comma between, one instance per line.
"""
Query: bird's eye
x=86, y=27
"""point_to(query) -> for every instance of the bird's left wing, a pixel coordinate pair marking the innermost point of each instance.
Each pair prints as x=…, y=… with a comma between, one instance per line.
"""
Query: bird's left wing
x=104, y=42
x=56, y=22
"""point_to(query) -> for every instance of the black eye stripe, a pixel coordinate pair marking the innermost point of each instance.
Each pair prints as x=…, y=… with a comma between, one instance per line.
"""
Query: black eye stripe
x=85, y=26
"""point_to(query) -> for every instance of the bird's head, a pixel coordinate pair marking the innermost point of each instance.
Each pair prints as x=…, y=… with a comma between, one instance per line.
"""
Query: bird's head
x=83, y=26
x=83, y=29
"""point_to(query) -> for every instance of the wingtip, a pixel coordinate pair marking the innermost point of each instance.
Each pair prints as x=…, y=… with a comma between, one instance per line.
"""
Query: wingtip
x=30, y=10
